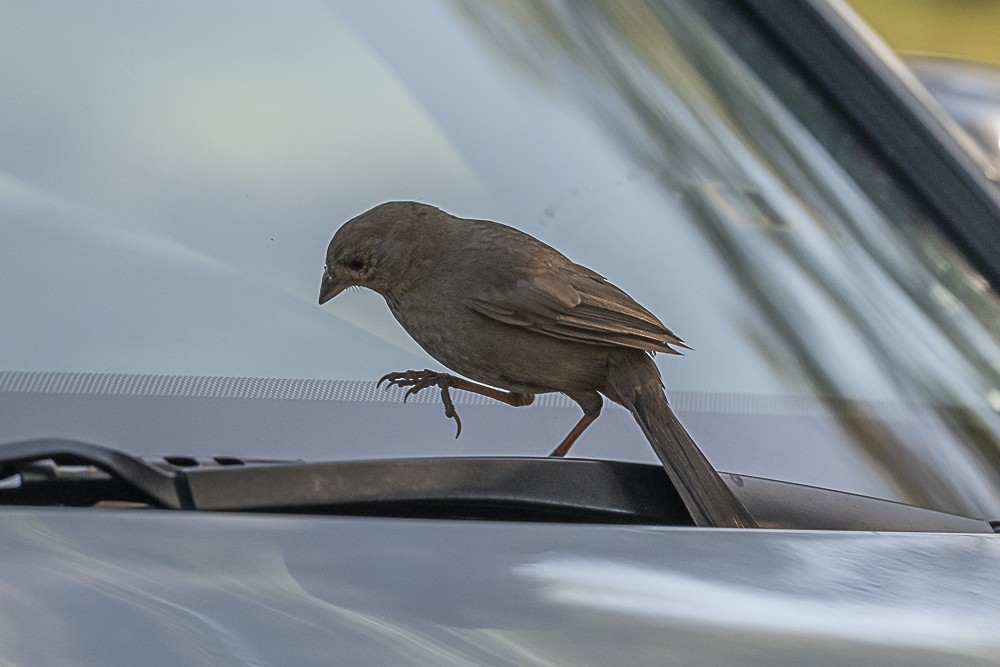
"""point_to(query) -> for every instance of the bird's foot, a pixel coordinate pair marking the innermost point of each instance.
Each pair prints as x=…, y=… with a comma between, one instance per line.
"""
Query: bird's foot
x=417, y=381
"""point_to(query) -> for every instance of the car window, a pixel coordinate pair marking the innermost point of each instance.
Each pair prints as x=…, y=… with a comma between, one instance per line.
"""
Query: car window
x=171, y=174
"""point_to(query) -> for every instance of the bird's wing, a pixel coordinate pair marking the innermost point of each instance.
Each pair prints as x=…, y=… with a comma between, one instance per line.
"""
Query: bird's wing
x=574, y=303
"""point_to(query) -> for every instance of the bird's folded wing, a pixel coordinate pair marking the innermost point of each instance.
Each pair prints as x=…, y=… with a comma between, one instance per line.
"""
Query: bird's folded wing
x=575, y=304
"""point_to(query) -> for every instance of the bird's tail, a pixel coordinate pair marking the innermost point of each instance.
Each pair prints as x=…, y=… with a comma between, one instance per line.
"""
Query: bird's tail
x=638, y=386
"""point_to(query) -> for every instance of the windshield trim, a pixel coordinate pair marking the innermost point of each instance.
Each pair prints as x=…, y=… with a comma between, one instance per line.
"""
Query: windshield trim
x=893, y=112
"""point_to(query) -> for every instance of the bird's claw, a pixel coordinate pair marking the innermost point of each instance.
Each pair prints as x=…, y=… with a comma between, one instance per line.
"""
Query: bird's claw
x=417, y=381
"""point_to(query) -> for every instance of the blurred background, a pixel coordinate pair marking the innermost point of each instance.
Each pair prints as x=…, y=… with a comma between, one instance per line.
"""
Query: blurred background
x=965, y=29
x=952, y=47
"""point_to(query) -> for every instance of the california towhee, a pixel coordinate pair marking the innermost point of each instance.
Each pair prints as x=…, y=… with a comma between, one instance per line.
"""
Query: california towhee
x=504, y=309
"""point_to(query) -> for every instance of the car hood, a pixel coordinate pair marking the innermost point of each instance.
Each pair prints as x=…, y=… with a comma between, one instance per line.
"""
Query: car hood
x=102, y=587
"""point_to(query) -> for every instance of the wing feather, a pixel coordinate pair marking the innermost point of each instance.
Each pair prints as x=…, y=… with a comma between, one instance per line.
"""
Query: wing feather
x=575, y=303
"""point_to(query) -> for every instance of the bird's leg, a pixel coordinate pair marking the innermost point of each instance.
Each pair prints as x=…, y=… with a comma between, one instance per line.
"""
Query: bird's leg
x=568, y=441
x=419, y=380
x=592, y=403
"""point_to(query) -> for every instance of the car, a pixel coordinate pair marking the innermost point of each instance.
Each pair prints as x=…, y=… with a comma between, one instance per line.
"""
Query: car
x=970, y=93
x=196, y=465
x=961, y=74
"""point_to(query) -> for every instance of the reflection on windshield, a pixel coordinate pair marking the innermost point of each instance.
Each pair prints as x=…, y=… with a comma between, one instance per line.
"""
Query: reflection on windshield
x=856, y=299
x=171, y=176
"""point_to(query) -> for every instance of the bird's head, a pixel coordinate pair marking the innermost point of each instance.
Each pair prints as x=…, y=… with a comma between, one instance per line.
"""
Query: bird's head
x=378, y=248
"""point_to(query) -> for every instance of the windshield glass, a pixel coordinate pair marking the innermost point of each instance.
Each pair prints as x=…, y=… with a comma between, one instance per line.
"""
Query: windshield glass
x=170, y=175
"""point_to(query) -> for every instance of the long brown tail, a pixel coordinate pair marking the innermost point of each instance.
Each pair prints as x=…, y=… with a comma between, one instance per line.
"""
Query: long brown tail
x=636, y=380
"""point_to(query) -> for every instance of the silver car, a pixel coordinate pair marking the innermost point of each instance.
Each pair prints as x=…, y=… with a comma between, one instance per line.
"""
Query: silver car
x=197, y=468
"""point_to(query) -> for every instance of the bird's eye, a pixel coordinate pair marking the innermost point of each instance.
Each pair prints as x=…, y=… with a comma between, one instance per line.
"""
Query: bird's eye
x=355, y=264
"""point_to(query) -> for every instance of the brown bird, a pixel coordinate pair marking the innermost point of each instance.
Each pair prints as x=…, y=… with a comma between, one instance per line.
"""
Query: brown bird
x=504, y=309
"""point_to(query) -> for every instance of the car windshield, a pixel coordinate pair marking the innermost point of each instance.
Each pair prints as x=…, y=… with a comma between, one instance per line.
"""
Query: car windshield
x=170, y=175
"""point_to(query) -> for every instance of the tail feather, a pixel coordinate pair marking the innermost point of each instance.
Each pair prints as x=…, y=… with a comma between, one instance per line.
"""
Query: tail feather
x=708, y=498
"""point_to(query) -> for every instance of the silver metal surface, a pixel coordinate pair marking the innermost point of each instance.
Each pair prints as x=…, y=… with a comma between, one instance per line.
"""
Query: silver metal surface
x=113, y=587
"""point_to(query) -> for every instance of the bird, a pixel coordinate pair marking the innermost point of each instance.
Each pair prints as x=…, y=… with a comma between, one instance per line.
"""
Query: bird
x=513, y=318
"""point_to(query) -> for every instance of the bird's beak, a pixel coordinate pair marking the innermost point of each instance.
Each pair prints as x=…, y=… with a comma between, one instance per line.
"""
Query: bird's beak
x=330, y=288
